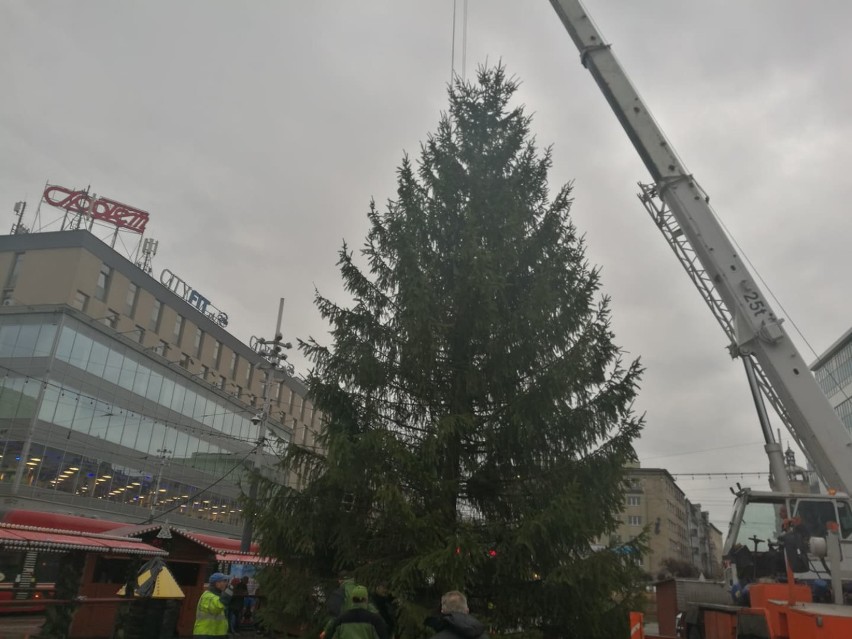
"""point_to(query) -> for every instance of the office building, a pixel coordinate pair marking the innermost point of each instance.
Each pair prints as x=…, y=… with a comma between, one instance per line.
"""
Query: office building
x=833, y=372
x=123, y=395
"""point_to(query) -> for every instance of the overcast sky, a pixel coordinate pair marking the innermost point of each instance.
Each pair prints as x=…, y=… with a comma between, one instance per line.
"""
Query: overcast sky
x=256, y=134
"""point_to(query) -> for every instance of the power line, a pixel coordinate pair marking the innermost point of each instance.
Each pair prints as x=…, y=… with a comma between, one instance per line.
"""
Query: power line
x=463, y=42
x=703, y=450
x=205, y=489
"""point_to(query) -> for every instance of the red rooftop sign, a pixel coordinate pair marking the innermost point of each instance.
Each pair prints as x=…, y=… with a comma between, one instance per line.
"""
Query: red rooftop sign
x=99, y=208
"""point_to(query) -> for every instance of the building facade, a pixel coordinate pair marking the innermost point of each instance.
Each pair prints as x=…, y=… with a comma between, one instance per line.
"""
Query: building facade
x=654, y=500
x=705, y=542
x=121, y=399
x=833, y=372
x=677, y=529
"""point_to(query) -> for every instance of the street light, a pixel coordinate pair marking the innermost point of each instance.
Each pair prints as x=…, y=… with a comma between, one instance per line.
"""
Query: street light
x=163, y=453
x=275, y=360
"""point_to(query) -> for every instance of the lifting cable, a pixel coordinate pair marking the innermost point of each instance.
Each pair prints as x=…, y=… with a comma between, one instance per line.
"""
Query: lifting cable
x=463, y=42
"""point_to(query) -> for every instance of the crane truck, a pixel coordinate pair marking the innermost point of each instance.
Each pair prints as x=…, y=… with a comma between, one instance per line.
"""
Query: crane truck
x=788, y=554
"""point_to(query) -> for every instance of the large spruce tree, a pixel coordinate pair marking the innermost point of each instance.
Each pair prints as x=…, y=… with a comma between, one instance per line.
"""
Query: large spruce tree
x=477, y=412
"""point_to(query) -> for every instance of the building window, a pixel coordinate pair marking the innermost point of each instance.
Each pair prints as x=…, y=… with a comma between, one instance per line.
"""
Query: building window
x=217, y=349
x=634, y=500
x=81, y=301
x=232, y=369
x=249, y=374
x=634, y=520
x=132, y=298
x=156, y=316
x=198, y=342
x=178, y=334
x=104, y=276
x=15, y=271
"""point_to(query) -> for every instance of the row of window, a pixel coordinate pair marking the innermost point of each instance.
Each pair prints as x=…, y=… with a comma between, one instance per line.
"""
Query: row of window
x=66, y=408
x=836, y=372
x=186, y=360
x=113, y=362
x=105, y=276
x=844, y=411
x=90, y=351
x=84, y=476
x=18, y=345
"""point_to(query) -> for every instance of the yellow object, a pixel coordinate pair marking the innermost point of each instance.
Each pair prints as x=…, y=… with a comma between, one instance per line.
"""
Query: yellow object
x=210, y=616
x=165, y=586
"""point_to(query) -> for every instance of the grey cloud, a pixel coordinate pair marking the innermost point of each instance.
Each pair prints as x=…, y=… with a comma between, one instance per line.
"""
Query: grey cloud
x=256, y=135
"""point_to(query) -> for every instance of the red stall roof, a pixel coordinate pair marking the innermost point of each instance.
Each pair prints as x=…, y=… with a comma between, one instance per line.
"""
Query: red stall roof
x=65, y=523
x=219, y=544
x=48, y=539
x=57, y=521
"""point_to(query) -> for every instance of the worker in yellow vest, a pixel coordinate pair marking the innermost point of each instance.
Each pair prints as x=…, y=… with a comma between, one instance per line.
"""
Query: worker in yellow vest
x=210, y=616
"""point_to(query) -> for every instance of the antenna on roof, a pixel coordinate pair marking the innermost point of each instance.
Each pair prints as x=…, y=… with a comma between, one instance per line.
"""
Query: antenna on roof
x=18, y=228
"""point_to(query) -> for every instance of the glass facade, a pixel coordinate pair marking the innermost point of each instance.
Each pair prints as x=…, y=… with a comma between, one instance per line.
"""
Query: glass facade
x=844, y=411
x=109, y=423
x=835, y=373
x=833, y=376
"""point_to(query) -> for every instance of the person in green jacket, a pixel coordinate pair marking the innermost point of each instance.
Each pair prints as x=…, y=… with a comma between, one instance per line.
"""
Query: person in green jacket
x=359, y=621
x=210, y=616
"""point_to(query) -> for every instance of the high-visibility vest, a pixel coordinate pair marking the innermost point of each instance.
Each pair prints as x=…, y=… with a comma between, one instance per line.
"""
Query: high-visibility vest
x=210, y=616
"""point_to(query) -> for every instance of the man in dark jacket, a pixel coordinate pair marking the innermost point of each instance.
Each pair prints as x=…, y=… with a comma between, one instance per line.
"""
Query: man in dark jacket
x=456, y=621
x=358, y=622
x=238, y=603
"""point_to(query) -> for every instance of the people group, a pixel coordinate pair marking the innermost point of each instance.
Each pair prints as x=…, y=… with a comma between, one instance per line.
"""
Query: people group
x=352, y=615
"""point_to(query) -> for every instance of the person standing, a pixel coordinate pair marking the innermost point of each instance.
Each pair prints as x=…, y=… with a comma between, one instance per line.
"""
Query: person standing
x=385, y=604
x=358, y=622
x=238, y=602
x=455, y=621
x=210, y=618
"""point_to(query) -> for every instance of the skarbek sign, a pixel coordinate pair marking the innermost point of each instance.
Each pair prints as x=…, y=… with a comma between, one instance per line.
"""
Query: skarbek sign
x=192, y=297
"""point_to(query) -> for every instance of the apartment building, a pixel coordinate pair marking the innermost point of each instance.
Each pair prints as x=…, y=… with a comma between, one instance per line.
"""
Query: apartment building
x=705, y=542
x=654, y=500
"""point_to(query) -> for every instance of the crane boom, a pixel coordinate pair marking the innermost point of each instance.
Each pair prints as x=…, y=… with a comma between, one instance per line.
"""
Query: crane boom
x=758, y=333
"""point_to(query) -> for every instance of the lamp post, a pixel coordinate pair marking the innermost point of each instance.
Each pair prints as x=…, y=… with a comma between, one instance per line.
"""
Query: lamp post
x=163, y=453
x=273, y=354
